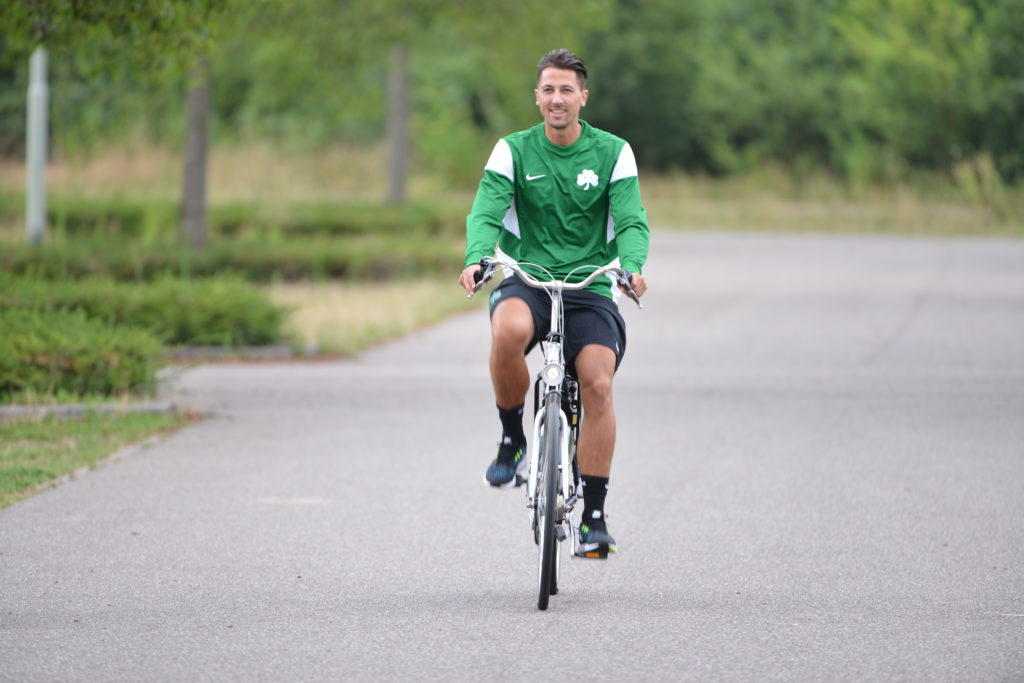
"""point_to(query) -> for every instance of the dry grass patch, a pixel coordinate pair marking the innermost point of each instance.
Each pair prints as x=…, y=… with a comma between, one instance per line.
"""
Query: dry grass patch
x=773, y=201
x=255, y=172
x=338, y=317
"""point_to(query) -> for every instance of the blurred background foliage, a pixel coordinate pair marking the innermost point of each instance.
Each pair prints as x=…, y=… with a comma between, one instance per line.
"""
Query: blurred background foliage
x=871, y=91
x=868, y=89
x=833, y=115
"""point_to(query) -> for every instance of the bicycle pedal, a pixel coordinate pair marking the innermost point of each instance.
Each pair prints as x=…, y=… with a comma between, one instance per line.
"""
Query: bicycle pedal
x=599, y=553
x=520, y=480
x=560, y=533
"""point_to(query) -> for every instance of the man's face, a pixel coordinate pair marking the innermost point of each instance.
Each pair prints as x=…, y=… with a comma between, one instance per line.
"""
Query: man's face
x=559, y=97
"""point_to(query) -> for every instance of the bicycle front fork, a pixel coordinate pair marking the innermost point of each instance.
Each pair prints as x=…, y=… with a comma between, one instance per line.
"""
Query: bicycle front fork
x=569, y=472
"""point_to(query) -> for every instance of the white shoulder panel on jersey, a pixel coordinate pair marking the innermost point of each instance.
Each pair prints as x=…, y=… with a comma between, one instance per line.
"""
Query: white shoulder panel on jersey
x=625, y=167
x=501, y=160
x=511, y=219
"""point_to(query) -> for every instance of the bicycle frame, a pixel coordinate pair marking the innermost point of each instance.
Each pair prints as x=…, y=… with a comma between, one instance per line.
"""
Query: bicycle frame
x=553, y=376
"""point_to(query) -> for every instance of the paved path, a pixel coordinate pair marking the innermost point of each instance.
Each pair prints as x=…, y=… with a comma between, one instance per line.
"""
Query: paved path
x=820, y=475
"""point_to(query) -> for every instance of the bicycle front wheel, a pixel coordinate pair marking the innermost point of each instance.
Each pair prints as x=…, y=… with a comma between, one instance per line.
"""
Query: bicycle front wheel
x=548, y=503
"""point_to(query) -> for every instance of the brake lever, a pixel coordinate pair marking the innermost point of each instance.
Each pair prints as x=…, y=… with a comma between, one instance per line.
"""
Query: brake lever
x=625, y=282
x=482, y=276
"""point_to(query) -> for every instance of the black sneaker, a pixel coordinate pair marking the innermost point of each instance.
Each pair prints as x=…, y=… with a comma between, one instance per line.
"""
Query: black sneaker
x=505, y=471
x=595, y=541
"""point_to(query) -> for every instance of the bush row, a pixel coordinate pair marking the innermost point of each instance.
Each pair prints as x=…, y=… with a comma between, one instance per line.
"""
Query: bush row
x=216, y=311
x=57, y=352
x=149, y=220
x=375, y=258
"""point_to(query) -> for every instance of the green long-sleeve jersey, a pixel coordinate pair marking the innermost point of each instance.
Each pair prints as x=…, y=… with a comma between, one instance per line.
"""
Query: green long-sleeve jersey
x=561, y=206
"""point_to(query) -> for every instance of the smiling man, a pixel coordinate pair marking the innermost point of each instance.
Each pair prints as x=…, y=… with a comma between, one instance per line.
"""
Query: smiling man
x=561, y=194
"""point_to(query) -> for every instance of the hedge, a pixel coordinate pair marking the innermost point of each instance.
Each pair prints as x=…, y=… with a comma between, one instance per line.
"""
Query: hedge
x=337, y=220
x=65, y=352
x=376, y=258
x=217, y=311
x=156, y=220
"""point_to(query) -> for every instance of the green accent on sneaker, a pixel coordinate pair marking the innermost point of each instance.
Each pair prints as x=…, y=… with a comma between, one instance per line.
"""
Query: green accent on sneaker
x=515, y=458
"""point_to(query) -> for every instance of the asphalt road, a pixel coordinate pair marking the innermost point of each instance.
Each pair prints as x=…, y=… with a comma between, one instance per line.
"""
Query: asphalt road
x=819, y=475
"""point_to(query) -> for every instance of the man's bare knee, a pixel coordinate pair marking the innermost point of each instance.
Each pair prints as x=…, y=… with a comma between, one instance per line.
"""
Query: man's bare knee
x=596, y=392
x=595, y=366
x=512, y=324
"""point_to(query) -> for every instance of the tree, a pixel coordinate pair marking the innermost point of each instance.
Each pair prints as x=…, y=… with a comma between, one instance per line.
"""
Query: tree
x=150, y=35
x=441, y=60
x=197, y=142
x=916, y=78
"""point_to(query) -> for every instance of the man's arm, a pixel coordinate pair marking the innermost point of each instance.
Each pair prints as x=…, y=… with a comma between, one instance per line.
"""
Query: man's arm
x=493, y=198
x=632, y=235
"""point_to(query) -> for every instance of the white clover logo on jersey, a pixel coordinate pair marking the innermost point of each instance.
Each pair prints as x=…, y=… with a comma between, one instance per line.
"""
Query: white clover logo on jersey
x=587, y=179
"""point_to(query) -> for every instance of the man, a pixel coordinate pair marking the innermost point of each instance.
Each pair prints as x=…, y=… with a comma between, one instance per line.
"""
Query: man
x=561, y=194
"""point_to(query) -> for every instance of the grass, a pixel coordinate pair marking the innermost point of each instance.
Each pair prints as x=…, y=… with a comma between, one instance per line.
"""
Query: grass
x=346, y=317
x=34, y=451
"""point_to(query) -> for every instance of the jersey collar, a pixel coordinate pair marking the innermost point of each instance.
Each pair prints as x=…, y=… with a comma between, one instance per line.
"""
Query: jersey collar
x=581, y=141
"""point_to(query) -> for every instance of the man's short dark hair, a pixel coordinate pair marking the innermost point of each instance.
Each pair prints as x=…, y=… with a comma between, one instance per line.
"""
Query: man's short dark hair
x=563, y=59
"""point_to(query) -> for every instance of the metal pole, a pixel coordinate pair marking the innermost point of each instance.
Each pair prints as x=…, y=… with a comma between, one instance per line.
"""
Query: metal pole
x=35, y=143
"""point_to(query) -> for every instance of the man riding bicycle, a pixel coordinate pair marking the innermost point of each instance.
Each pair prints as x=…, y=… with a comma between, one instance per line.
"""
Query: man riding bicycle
x=561, y=194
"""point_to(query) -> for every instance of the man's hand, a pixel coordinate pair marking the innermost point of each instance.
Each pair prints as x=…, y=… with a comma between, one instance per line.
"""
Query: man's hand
x=639, y=284
x=466, y=279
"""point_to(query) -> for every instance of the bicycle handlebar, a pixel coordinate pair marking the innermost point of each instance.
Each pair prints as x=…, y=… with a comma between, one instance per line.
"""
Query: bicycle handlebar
x=488, y=266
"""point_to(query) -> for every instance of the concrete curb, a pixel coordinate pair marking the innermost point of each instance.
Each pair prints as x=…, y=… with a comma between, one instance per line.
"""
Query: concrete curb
x=199, y=353
x=72, y=410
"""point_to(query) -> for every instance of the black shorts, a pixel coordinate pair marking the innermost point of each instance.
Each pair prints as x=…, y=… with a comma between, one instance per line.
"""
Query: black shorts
x=589, y=318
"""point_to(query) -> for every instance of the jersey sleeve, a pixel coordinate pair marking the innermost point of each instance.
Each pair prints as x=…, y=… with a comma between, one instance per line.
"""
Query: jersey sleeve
x=493, y=198
x=632, y=235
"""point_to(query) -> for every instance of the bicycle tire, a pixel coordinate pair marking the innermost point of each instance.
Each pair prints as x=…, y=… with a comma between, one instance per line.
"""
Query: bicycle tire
x=548, y=543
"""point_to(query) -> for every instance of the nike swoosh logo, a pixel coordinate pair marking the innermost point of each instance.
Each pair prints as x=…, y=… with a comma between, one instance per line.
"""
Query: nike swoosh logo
x=534, y=177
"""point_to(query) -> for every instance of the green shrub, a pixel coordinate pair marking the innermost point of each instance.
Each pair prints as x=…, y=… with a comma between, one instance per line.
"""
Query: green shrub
x=157, y=220
x=258, y=260
x=126, y=218
x=207, y=311
x=337, y=220
x=52, y=352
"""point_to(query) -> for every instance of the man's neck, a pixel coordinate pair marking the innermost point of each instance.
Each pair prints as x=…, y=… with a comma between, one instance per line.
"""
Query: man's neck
x=564, y=136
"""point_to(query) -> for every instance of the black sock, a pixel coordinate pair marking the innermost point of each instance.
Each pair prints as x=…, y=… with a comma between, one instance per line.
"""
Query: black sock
x=512, y=424
x=594, y=491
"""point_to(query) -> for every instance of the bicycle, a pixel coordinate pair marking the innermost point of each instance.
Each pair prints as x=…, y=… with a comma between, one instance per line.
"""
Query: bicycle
x=553, y=481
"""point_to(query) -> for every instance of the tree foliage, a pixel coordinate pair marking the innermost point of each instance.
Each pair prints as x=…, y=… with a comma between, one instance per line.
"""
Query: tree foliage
x=869, y=89
x=142, y=33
